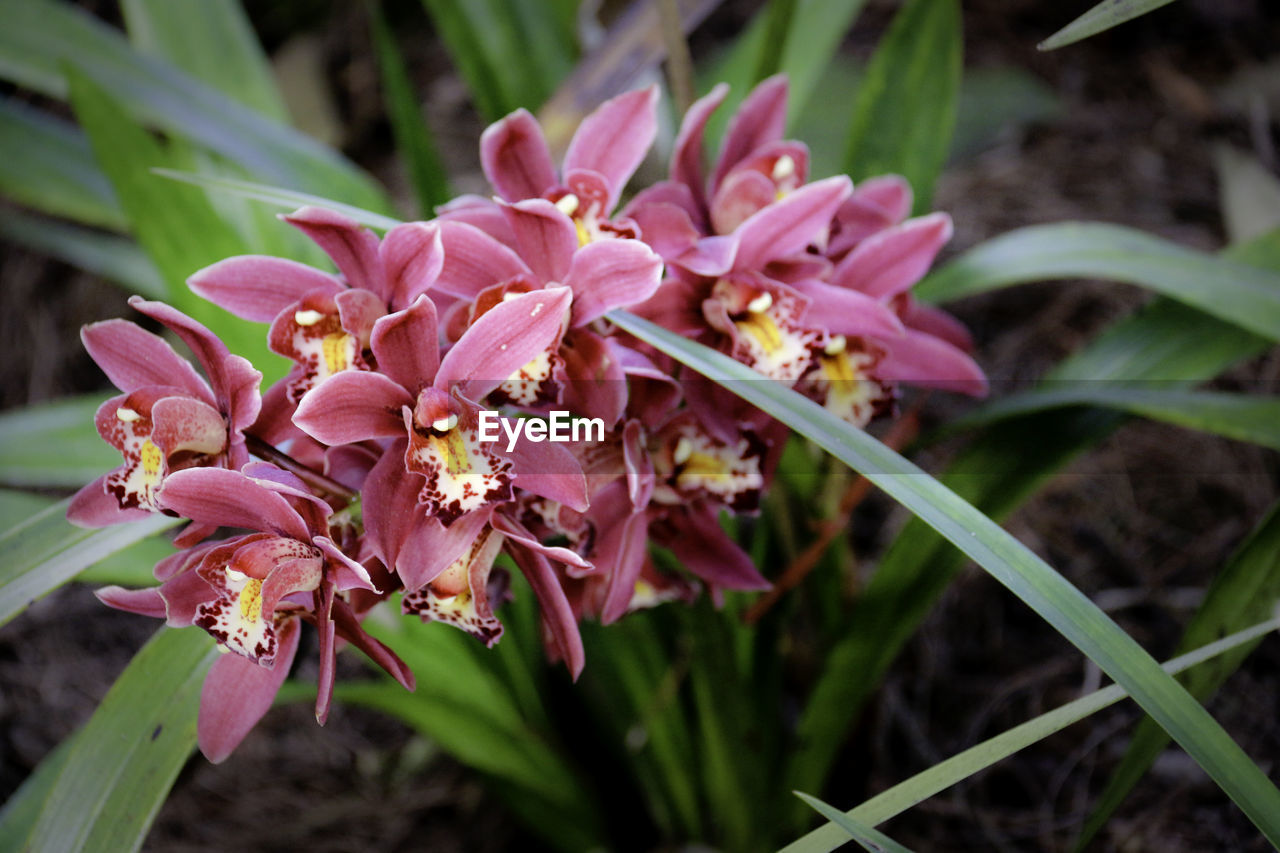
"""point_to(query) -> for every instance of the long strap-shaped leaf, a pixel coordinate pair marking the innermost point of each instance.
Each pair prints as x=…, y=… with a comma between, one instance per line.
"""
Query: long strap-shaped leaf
x=1246, y=296
x=896, y=800
x=867, y=836
x=121, y=766
x=1007, y=560
x=1104, y=16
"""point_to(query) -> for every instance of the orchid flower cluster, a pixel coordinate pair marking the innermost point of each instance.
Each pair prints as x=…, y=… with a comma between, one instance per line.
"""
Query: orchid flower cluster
x=370, y=470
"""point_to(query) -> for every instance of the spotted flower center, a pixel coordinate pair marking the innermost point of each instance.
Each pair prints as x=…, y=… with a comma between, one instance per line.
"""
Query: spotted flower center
x=462, y=474
x=457, y=596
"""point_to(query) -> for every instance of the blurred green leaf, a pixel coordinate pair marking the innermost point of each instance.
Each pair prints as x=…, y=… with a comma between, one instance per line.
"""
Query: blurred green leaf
x=116, y=259
x=212, y=41
x=1244, y=592
x=49, y=166
x=902, y=796
x=45, y=551
x=175, y=224
x=414, y=140
x=1238, y=416
x=1104, y=16
x=40, y=36
x=905, y=109
x=1006, y=559
x=867, y=837
x=1245, y=296
x=121, y=766
x=54, y=444
x=1006, y=464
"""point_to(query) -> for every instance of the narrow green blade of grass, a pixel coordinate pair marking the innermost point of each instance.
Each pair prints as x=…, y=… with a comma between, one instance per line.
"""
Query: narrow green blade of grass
x=49, y=166
x=1238, y=416
x=902, y=796
x=40, y=37
x=45, y=551
x=281, y=198
x=116, y=259
x=175, y=224
x=868, y=837
x=478, y=56
x=414, y=139
x=1246, y=590
x=1005, y=465
x=1104, y=16
x=1005, y=559
x=21, y=811
x=212, y=41
x=54, y=444
x=1240, y=294
x=905, y=110
x=121, y=766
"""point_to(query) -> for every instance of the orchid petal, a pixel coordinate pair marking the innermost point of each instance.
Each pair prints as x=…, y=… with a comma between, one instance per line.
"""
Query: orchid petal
x=545, y=237
x=412, y=256
x=557, y=613
x=326, y=639
x=890, y=262
x=358, y=310
x=345, y=621
x=707, y=551
x=760, y=119
x=481, y=212
x=352, y=406
x=610, y=274
x=353, y=248
x=686, y=158
x=788, y=226
x=430, y=547
x=621, y=553
x=236, y=694
x=504, y=339
x=94, y=506
x=406, y=344
x=516, y=532
x=134, y=358
x=390, y=500
x=230, y=499
x=741, y=195
x=257, y=287
x=550, y=470
x=473, y=260
x=347, y=573
x=847, y=312
x=919, y=358
x=614, y=139
x=144, y=602
x=940, y=324
x=515, y=157
x=595, y=384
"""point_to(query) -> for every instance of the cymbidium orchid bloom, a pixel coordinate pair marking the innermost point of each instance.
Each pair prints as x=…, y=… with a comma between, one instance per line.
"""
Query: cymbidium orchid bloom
x=249, y=591
x=169, y=418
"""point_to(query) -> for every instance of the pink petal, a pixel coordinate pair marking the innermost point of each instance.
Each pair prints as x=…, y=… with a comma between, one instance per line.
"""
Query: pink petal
x=480, y=212
x=237, y=692
x=347, y=573
x=230, y=499
x=639, y=465
x=788, y=226
x=621, y=553
x=614, y=139
x=939, y=324
x=144, y=602
x=257, y=287
x=391, y=503
x=133, y=358
x=326, y=637
x=551, y=471
x=668, y=192
x=412, y=256
x=345, y=621
x=557, y=613
x=504, y=339
x=708, y=552
x=887, y=263
x=430, y=547
x=847, y=312
x=545, y=236
x=609, y=274
x=358, y=310
x=473, y=261
x=407, y=344
x=354, y=249
x=918, y=358
x=515, y=157
x=761, y=119
x=94, y=506
x=595, y=385
x=666, y=228
x=352, y=406
x=517, y=533
x=741, y=195
x=686, y=158
x=710, y=256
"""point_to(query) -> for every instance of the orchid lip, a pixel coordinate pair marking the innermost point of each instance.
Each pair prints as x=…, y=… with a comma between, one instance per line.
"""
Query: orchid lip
x=307, y=318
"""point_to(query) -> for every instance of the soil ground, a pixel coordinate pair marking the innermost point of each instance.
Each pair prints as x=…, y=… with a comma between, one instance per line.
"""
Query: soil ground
x=1142, y=523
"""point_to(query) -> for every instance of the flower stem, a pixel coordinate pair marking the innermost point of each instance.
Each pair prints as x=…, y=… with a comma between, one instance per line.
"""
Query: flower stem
x=313, y=478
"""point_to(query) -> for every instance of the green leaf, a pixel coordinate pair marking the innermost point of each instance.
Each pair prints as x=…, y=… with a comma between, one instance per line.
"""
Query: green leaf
x=905, y=111
x=1244, y=418
x=21, y=811
x=54, y=444
x=123, y=763
x=48, y=166
x=282, y=198
x=1248, y=192
x=212, y=41
x=41, y=36
x=1104, y=16
x=1004, y=558
x=175, y=224
x=414, y=140
x=1245, y=591
x=45, y=551
x=117, y=259
x=902, y=796
x=1240, y=294
x=1005, y=465
x=866, y=836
